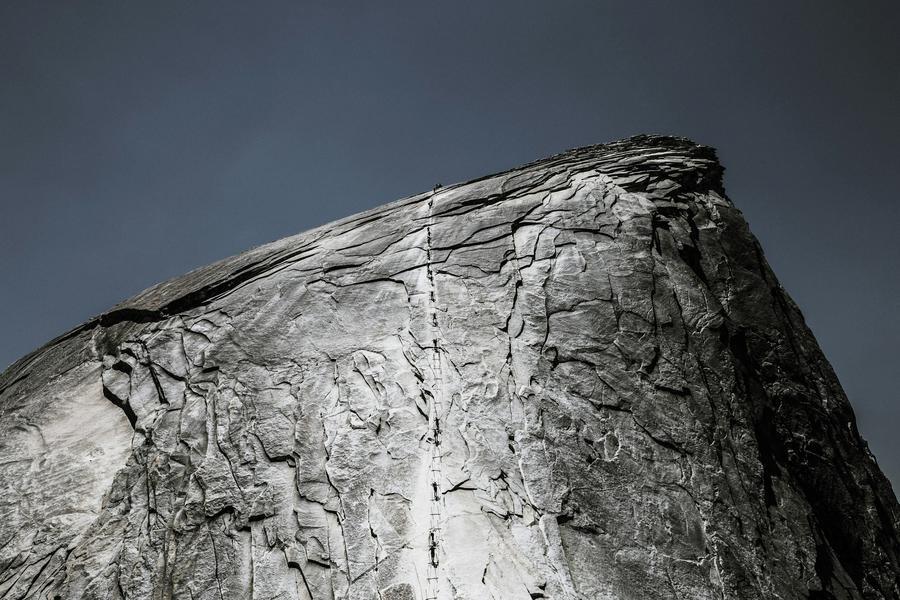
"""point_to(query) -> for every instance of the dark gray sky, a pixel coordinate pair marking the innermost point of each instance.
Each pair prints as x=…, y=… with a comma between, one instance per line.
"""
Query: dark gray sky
x=140, y=140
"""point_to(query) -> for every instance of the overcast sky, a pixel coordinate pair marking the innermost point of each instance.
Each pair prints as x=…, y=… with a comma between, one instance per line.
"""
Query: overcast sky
x=141, y=139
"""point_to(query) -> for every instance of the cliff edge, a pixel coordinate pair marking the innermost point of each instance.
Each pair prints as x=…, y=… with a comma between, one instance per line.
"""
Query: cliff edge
x=578, y=379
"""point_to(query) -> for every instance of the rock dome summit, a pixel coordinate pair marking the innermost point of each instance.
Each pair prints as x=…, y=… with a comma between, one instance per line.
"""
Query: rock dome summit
x=577, y=379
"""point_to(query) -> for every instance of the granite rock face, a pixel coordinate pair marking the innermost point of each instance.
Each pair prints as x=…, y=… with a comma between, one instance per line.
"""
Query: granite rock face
x=578, y=379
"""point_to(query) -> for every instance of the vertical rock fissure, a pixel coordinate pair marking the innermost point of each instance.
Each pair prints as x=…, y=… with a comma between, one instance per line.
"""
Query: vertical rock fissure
x=435, y=412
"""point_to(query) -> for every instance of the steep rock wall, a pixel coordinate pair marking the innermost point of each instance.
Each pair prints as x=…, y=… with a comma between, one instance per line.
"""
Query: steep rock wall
x=576, y=379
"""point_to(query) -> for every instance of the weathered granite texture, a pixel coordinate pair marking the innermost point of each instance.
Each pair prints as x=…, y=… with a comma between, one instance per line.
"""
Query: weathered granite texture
x=576, y=379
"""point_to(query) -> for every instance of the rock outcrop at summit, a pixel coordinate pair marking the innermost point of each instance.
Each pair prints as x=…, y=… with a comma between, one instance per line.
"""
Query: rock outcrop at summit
x=578, y=379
